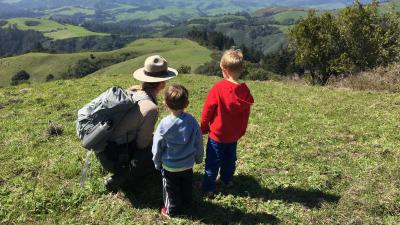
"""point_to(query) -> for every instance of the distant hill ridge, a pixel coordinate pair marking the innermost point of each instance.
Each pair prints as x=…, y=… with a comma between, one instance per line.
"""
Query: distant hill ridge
x=121, y=10
x=50, y=28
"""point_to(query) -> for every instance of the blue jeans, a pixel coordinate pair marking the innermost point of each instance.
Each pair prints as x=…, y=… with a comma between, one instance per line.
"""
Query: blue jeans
x=219, y=158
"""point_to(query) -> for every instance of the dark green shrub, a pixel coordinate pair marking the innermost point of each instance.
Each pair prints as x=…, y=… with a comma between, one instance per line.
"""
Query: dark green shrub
x=253, y=71
x=210, y=68
x=50, y=77
x=20, y=77
x=184, y=69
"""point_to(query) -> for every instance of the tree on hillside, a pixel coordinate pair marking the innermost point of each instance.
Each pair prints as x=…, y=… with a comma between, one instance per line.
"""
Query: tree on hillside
x=20, y=77
x=358, y=38
x=50, y=77
x=282, y=62
x=14, y=41
x=370, y=38
x=318, y=46
x=211, y=39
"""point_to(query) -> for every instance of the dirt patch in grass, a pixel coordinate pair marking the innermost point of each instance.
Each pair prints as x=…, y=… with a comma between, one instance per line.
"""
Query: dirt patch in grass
x=15, y=101
x=54, y=130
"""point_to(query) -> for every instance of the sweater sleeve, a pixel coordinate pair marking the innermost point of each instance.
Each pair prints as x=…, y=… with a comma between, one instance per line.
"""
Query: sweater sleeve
x=209, y=109
x=199, y=145
x=145, y=131
x=158, y=148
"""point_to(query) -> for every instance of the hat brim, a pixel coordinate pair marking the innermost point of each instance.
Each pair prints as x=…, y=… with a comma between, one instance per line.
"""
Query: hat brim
x=140, y=75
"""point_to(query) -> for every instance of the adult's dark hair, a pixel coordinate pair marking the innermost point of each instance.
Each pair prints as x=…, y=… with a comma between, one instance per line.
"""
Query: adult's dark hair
x=176, y=97
x=150, y=86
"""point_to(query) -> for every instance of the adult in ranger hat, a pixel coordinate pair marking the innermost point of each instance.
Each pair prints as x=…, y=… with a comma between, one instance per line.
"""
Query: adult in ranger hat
x=128, y=155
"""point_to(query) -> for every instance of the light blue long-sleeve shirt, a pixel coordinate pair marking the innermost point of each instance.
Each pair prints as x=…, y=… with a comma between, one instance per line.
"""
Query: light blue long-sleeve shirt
x=177, y=143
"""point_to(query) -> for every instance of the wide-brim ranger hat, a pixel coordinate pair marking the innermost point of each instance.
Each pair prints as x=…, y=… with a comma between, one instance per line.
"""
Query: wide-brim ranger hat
x=155, y=70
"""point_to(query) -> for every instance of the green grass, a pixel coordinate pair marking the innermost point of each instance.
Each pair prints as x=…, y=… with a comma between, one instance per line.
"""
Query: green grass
x=39, y=65
x=121, y=7
x=177, y=51
x=52, y=29
x=311, y=155
x=69, y=11
x=174, y=12
x=291, y=14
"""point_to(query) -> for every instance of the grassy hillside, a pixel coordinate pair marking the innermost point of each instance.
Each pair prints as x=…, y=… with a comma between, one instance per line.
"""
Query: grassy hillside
x=311, y=156
x=39, y=65
x=69, y=11
x=177, y=51
x=51, y=28
x=290, y=14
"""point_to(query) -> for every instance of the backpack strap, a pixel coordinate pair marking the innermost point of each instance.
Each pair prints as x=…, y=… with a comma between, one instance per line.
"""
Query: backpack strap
x=137, y=98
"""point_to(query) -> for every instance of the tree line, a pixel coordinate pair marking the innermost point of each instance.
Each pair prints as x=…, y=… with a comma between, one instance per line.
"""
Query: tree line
x=15, y=42
x=253, y=69
x=257, y=67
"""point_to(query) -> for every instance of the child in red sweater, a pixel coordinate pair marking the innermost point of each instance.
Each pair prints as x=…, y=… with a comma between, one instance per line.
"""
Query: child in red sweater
x=225, y=117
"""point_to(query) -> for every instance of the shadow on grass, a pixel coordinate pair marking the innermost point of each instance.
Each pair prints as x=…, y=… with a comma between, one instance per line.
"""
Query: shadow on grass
x=247, y=186
x=147, y=194
x=210, y=213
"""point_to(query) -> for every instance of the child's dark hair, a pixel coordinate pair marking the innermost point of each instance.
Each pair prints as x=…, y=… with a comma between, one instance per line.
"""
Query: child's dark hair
x=176, y=97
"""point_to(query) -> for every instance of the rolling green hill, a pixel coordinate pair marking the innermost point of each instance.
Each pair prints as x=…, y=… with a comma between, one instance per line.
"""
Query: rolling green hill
x=177, y=51
x=51, y=28
x=289, y=15
x=311, y=155
x=70, y=11
x=40, y=65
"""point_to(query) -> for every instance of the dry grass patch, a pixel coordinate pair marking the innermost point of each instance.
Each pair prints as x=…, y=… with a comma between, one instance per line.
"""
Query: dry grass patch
x=380, y=79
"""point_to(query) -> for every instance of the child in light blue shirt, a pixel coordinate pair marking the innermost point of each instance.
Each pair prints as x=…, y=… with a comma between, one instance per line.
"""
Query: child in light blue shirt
x=177, y=145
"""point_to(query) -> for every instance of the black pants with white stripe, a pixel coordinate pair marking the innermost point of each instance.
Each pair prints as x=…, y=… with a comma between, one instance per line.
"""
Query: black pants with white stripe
x=177, y=191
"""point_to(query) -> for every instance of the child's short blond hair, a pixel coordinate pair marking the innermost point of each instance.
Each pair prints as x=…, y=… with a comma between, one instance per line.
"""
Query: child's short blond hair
x=232, y=60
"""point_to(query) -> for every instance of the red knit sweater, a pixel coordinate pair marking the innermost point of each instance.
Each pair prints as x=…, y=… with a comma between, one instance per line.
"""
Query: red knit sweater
x=226, y=111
